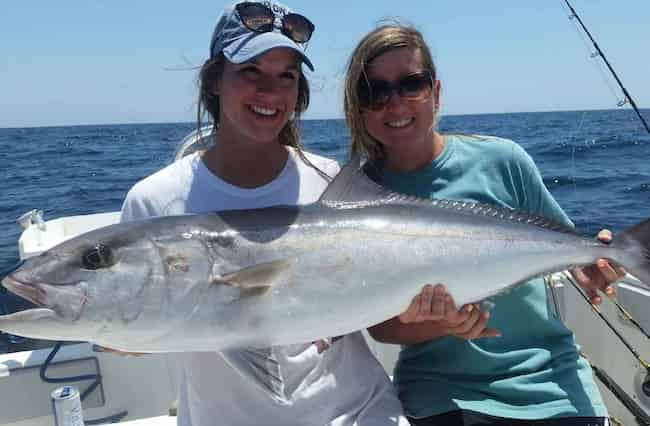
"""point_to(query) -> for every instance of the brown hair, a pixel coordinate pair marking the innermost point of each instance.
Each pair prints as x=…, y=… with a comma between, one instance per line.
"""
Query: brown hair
x=380, y=40
x=208, y=104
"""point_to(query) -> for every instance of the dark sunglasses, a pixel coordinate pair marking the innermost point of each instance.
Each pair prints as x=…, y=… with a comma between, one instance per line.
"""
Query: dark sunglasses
x=260, y=18
x=375, y=94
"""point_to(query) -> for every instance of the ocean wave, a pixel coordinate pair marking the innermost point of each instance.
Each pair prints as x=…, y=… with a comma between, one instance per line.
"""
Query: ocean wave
x=552, y=182
x=643, y=187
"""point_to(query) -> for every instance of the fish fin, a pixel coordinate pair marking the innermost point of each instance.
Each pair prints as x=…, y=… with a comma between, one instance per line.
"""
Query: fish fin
x=260, y=367
x=637, y=238
x=27, y=315
x=258, y=277
x=353, y=186
x=28, y=323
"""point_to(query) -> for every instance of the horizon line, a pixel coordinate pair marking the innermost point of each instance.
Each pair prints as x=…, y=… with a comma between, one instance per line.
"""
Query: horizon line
x=134, y=123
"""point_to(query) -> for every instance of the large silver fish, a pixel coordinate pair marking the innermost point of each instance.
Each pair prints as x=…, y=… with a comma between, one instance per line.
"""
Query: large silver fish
x=290, y=274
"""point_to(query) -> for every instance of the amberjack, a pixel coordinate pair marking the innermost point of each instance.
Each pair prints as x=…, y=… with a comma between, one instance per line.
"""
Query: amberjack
x=291, y=274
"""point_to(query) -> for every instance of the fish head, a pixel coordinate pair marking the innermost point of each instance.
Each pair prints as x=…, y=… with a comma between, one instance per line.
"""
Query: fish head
x=89, y=277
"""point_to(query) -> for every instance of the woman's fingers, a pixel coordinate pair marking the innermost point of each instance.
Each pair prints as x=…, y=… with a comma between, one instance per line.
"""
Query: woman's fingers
x=490, y=332
x=425, y=311
x=411, y=311
x=610, y=275
x=604, y=273
x=473, y=324
x=605, y=236
x=473, y=318
x=598, y=277
x=478, y=323
x=459, y=316
x=585, y=277
x=421, y=307
x=438, y=302
x=431, y=304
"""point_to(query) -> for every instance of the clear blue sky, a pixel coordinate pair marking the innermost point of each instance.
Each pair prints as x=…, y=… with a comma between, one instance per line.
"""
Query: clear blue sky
x=118, y=61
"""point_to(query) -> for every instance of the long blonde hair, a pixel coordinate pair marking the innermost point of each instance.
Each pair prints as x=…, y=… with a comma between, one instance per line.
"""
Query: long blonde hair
x=378, y=41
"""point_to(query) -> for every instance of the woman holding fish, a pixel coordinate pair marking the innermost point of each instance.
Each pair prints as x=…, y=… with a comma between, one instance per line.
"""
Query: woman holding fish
x=254, y=90
x=453, y=370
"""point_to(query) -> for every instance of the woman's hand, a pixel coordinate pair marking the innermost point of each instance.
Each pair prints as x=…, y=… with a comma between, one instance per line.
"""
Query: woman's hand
x=600, y=276
x=435, y=304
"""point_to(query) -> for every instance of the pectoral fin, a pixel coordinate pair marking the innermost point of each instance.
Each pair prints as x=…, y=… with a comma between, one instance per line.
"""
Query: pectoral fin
x=256, y=278
x=260, y=367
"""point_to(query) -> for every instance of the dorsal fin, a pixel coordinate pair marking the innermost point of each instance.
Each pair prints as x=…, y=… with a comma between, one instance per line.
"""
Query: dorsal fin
x=352, y=187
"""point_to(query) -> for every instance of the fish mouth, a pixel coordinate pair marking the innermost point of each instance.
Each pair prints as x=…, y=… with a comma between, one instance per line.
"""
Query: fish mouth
x=65, y=300
x=31, y=292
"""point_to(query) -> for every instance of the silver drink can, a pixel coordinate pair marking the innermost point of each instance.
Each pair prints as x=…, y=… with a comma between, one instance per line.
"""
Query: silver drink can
x=66, y=407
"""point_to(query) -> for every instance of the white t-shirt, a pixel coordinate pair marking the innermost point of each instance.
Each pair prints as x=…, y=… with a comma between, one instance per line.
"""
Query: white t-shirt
x=343, y=385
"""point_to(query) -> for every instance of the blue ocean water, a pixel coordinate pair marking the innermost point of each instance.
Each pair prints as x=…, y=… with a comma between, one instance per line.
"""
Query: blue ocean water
x=596, y=164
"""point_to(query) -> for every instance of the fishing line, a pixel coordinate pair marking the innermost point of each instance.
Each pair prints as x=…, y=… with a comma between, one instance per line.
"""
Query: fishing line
x=628, y=99
x=573, y=139
x=640, y=414
x=601, y=54
x=598, y=65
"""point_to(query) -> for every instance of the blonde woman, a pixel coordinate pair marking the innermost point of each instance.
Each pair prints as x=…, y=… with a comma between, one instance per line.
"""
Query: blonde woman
x=453, y=369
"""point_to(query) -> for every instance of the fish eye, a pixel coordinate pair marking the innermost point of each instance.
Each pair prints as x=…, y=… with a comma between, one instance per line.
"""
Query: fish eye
x=98, y=257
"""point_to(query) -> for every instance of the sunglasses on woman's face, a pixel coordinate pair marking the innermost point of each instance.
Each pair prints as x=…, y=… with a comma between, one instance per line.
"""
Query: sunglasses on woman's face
x=375, y=94
x=260, y=18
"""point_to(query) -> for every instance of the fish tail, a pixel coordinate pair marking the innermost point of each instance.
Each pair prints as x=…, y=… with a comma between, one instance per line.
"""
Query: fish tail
x=635, y=241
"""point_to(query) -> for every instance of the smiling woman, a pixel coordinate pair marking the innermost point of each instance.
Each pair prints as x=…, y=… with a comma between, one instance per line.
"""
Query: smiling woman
x=253, y=89
x=502, y=374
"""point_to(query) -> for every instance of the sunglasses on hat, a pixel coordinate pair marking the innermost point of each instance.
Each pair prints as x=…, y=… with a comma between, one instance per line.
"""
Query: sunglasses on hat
x=375, y=94
x=260, y=18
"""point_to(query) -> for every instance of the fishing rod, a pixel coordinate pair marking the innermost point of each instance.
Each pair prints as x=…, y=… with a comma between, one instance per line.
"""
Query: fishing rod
x=599, y=52
x=628, y=402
